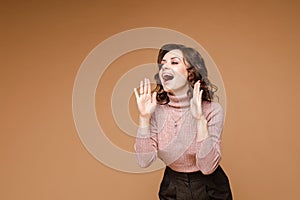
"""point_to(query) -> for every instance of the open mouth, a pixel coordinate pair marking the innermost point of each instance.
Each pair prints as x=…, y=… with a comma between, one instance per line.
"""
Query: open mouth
x=167, y=77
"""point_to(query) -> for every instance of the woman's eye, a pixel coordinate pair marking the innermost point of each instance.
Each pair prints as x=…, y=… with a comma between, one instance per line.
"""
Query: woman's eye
x=174, y=63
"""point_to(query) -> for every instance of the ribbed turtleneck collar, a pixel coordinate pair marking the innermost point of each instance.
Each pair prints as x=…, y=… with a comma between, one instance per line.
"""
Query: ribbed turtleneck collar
x=182, y=101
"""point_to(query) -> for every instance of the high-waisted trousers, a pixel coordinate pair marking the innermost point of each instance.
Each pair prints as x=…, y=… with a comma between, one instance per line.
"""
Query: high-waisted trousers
x=195, y=186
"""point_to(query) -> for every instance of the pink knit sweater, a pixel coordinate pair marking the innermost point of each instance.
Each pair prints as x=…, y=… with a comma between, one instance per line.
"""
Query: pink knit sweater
x=172, y=137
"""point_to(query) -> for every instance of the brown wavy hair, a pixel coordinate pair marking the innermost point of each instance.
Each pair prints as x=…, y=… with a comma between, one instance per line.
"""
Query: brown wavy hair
x=196, y=71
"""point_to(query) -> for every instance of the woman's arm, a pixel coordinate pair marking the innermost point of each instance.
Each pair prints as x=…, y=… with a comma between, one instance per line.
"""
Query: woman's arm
x=146, y=142
x=209, y=129
x=208, y=153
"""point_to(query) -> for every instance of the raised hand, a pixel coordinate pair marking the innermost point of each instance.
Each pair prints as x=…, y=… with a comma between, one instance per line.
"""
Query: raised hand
x=146, y=101
x=196, y=102
x=196, y=110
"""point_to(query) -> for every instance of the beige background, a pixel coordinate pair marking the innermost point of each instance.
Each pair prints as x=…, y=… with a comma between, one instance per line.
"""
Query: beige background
x=254, y=43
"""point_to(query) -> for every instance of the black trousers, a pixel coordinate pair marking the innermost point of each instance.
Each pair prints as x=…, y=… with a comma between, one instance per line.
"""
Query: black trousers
x=195, y=186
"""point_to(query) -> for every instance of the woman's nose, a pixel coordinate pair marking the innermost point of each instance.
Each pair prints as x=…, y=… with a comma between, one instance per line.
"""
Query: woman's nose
x=165, y=65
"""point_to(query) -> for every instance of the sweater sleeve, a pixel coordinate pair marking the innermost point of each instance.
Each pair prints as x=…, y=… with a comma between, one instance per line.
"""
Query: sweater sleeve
x=146, y=144
x=208, y=153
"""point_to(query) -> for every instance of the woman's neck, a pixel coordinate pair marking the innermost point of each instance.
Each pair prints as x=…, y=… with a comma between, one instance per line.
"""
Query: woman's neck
x=179, y=101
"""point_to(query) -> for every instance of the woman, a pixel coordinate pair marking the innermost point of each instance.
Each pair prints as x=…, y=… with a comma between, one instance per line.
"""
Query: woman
x=180, y=124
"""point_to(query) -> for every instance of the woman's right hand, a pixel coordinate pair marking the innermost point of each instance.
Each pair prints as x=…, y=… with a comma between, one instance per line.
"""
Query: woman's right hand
x=146, y=101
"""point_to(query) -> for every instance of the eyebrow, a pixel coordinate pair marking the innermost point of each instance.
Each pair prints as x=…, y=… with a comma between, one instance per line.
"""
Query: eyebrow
x=172, y=58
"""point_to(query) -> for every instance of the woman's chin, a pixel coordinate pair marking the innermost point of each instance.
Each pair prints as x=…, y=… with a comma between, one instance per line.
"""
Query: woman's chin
x=167, y=89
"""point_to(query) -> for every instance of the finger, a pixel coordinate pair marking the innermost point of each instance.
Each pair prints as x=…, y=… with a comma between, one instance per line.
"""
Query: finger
x=145, y=86
x=200, y=96
x=149, y=87
x=141, y=87
x=200, y=101
x=199, y=83
x=154, y=97
x=196, y=89
x=136, y=94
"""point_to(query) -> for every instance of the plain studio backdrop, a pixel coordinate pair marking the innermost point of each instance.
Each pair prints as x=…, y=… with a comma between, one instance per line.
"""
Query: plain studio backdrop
x=255, y=45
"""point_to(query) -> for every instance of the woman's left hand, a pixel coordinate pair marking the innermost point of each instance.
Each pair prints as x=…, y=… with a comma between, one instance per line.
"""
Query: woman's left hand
x=196, y=110
x=196, y=102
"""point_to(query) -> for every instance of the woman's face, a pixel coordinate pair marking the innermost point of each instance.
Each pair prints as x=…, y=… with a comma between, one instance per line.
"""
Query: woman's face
x=173, y=73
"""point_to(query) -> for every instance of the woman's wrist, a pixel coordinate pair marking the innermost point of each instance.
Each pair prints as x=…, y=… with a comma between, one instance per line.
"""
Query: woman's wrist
x=201, y=117
x=144, y=121
x=202, y=130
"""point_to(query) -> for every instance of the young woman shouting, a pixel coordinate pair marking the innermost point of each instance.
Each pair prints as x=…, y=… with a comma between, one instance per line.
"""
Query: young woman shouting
x=181, y=124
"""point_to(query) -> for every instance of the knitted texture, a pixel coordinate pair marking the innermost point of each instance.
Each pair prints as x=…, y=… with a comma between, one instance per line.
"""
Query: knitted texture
x=171, y=136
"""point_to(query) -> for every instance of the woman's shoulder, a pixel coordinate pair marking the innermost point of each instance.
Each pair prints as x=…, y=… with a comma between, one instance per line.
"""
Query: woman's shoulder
x=159, y=115
x=160, y=109
x=212, y=108
x=212, y=105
